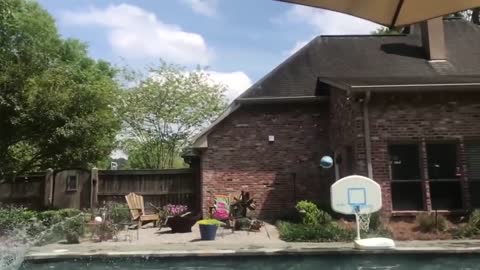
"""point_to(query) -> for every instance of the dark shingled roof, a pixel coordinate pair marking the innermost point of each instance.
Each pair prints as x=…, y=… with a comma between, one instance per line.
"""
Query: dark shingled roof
x=374, y=60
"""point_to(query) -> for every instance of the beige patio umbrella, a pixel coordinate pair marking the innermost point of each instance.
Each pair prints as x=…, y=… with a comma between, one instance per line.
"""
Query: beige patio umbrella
x=392, y=13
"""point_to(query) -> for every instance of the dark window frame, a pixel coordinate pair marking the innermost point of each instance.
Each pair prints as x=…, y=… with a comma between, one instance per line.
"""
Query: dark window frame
x=424, y=167
x=457, y=159
x=420, y=165
x=69, y=187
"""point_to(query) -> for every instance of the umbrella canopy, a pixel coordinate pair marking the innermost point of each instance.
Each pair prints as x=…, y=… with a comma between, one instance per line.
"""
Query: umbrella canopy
x=392, y=13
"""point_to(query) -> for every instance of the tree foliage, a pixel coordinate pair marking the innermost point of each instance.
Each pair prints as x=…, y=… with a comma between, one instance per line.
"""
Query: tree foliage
x=387, y=31
x=55, y=102
x=164, y=110
x=471, y=15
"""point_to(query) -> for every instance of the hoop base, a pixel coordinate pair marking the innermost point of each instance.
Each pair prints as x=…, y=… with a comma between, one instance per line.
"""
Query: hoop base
x=374, y=243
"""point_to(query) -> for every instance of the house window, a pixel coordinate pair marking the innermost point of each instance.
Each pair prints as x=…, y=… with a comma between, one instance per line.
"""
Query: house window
x=441, y=171
x=472, y=153
x=72, y=183
x=407, y=195
x=407, y=192
x=404, y=161
x=442, y=161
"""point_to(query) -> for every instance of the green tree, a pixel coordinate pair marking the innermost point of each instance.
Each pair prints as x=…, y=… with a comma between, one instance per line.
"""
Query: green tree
x=387, y=31
x=56, y=103
x=471, y=15
x=163, y=111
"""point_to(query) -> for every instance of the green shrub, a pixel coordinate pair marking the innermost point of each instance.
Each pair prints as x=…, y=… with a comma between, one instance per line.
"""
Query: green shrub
x=50, y=217
x=73, y=228
x=431, y=223
x=12, y=218
x=474, y=219
x=331, y=232
x=471, y=229
x=41, y=227
x=311, y=215
x=210, y=222
x=119, y=213
x=243, y=224
x=375, y=222
x=69, y=212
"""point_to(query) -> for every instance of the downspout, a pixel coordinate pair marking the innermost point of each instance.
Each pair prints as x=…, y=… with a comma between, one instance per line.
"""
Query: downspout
x=366, y=129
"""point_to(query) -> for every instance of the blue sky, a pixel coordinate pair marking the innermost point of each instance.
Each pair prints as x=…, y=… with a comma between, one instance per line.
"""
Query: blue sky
x=239, y=41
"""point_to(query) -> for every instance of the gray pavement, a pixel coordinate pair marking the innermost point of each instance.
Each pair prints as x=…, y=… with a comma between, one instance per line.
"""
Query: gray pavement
x=154, y=242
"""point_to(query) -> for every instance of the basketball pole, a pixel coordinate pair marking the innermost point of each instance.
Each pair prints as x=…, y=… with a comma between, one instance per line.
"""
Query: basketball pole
x=356, y=210
x=357, y=221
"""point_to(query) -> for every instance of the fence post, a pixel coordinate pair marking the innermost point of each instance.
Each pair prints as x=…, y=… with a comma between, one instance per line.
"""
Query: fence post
x=48, y=194
x=93, y=188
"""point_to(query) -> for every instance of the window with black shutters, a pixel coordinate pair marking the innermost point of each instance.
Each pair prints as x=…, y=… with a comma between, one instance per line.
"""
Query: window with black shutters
x=404, y=161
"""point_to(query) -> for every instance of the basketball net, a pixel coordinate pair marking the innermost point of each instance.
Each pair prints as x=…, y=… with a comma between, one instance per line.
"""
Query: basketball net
x=362, y=220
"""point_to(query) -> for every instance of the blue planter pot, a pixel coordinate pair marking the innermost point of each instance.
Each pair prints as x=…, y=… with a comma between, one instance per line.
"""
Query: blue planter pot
x=208, y=232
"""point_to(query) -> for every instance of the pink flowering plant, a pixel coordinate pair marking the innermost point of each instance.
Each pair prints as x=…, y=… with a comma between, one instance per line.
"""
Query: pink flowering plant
x=175, y=209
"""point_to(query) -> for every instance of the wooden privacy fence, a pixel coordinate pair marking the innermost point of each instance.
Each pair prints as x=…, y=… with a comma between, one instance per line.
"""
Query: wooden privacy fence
x=159, y=187
x=26, y=190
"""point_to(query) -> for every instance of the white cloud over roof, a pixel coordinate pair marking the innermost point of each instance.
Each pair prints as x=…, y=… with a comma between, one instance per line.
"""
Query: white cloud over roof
x=137, y=33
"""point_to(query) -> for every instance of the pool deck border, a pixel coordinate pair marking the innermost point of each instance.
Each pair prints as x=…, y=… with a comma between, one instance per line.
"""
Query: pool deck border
x=452, y=247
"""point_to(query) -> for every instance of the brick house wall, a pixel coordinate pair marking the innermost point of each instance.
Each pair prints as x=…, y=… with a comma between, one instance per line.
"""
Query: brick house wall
x=428, y=117
x=404, y=117
x=240, y=157
x=346, y=121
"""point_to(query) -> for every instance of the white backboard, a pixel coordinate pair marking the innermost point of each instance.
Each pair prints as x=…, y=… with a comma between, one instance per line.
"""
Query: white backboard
x=356, y=191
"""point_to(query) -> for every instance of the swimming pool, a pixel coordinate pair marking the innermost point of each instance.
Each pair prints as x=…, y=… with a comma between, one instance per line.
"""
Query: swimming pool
x=311, y=262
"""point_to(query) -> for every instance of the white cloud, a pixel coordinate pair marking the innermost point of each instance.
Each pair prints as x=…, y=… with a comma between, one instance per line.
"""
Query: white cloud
x=326, y=22
x=136, y=33
x=203, y=7
x=235, y=82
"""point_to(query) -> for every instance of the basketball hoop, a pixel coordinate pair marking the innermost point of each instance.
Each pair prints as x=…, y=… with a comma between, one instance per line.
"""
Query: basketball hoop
x=359, y=196
x=363, y=220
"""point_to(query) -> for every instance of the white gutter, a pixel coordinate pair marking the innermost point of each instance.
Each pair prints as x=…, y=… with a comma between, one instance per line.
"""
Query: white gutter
x=415, y=87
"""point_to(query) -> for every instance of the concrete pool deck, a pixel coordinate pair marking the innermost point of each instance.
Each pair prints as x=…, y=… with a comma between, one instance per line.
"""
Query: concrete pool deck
x=155, y=243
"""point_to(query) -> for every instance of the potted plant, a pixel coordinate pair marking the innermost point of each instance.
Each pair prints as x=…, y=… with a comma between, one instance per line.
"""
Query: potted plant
x=243, y=224
x=208, y=228
x=73, y=229
x=178, y=219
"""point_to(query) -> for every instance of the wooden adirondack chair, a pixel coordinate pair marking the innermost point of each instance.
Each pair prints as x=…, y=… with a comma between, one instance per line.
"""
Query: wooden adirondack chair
x=137, y=209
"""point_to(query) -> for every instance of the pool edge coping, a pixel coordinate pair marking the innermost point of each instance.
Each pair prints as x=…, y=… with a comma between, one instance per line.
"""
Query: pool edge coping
x=42, y=256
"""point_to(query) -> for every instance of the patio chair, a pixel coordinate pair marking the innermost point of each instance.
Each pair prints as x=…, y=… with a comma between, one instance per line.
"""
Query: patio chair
x=137, y=209
x=222, y=210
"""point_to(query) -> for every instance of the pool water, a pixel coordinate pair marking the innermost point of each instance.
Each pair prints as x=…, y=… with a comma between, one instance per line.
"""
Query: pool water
x=336, y=262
